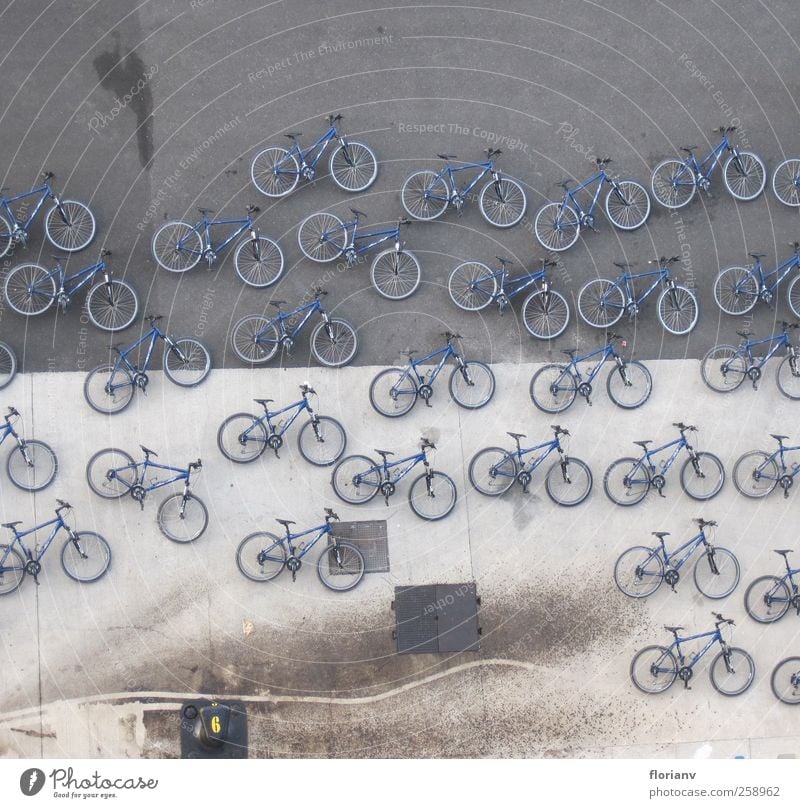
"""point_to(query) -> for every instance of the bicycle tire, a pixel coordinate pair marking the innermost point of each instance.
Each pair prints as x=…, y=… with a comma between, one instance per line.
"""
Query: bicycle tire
x=790, y=676
x=793, y=295
x=716, y=585
x=442, y=488
x=343, y=479
x=425, y=195
x=6, y=238
x=8, y=365
x=646, y=575
x=678, y=310
x=652, y=658
x=553, y=388
x=545, y=315
x=233, y=442
x=720, y=678
x=631, y=212
x=73, y=233
x=272, y=563
x=41, y=471
x=556, y=226
x=347, y=561
x=767, y=599
x=255, y=339
x=101, y=399
x=334, y=344
x=98, y=473
x=601, y=303
x=633, y=484
x=262, y=271
x=752, y=478
x=736, y=290
x=29, y=290
x=98, y=557
x=321, y=237
x=177, y=247
x=786, y=182
x=504, y=207
x=472, y=386
x=629, y=386
x=114, y=311
x=170, y=518
x=468, y=286
x=187, y=362
x=580, y=476
x=673, y=184
x=500, y=471
x=787, y=377
x=746, y=180
x=328, y=448
x=354, y=170
x=275, y=172
x=399, y=398
x=723, y=369
x=395, y=275
x=699, y=490
x=11, y=574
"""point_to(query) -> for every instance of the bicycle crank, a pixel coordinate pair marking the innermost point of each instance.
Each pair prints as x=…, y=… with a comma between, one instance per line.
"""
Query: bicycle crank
x=632, y=310
x=137, y=494
x=658, y=482
x=524, y=479
x=754, y=374
x=785, y=482
x=275, y=442
x=307, y=172
x=140, y=380
x=766, y=296
x=387, y=489
x=685, y=674
x=33, y=568
x=585, y=390
x=425, y=391
x=672, y=577
x=293, y=564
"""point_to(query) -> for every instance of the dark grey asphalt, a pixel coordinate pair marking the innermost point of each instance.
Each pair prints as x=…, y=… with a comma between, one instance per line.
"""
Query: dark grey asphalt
x=551, y=83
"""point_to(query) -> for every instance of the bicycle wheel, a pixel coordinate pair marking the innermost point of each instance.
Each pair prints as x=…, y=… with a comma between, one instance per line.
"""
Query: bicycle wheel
x=182, y=518
x=12, y=569
x=29, y=289
x=261, y=557
x=393, y=392
x=785, y=680
x=724, y=368
x=793, y=296
x=395, y=275
x=435, y=501
x=334, y=343
x=258, y=268
x=492, y=471
x=341, y=566
x=86, y=559
x=472, y=386
x=755, y=474
x=31, y=465
x=736, y=290
x=8, y=365
x=425, y=195
x=108, y=389
x=629, y=386
x=786, y=182
x=568, y=484
x=355, y=479
x=788, y=377
x=111, y=473
x=275, y=172
x=746, y=176
x=242, y=438
x=70, y=226
x=322, y=237
x=628, y=205
x=716, y=573
x=354, y=166
x=6, y=240
x=472, y=286
x=553, y=388
x=545, y=314
x=678, y=310
x=705, y=479
x=639, y=572
x=732, y=672
x=556, y=226
x=673, y=184
x=502, y=203
x=112, y=306
x=626, y=481
x=255, y=339
x=177, y=247
x=654, y=669
x=324, y=446
x=601, y=303
x=767, y=599
x=187, y=362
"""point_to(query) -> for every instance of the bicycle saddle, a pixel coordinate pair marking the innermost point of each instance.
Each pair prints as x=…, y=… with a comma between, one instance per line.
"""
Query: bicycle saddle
x=12, y=525
x=293, y=135
x=642, y=443
x=285, y=522
x=516, y=435
x=784, y=553
x=356, y=212
x=756, y=256
x=745, y=334
x=383, y=453
x=780, y=438
x=204, y=211
x=448, y=156
x=674, y=629
x=570, y=352
x=263, y=401
x=688, y=149
x=277, y=303
x=148, y=451
x=660, y=534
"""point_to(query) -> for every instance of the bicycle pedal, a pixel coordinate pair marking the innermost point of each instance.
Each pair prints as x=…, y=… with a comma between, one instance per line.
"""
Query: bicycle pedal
x=661, y=493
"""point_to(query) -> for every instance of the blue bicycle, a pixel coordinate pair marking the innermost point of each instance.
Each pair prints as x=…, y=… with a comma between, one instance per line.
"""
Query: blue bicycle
x=769, y=597
x=111, y=304
x=8, y=364
x=558, y=224
x=69, y=225
x=759, y=473
x=109, y=388
x=112, y=474
x=568, y=480
x=263, y=556
x=640, y=571
x=395, y=391
x=427, y=194
x=31, y=465
x=179, y=246
x=545, y=312
x=275, y=171
x=255, y=339
x=675, y=182
x=395, y=271
x=655, y=668
x=725, y=367
x=554, y=387
x=243, y=438
x=628, y=480
x=737, y=289
x=85, y=556
x=357, y=479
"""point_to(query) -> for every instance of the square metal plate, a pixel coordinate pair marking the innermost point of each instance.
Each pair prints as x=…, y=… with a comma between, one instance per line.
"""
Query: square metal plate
x=371, y=536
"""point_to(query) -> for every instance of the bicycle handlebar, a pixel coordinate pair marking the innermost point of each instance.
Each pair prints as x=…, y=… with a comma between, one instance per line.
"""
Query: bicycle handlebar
x=705, y=522
x=62, y=506
x=253, y=209
x=319, y=291
x=664, y=260
x=558, y=430
x=330, y=514
x=332, y=119
x=723, y=130
x=48, y=175
x=12, y=411
x=305, y=389
x=684, y=427
x=721, y=619
x=104, y=252
x=154, y=318
x=786, y=326
x=603, y=161
x=795, y=245
x=426, y=444
x=196, y=466
x=490, y=152
x=450, y=335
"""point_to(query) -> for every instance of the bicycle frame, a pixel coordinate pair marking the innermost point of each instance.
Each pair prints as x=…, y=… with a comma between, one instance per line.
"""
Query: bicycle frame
x=445, y=352
x=379, y=236
x=784, y=470
x=321, y=144
x=282, y=317
x=569, y=194
x=385, y=467
x=779, y=273
x=678, y=443
x=86, y=276
x=781, y=341
x=531, y=465
x=682, y=553
x=625, y=282
x=153, y=335
x=58, y=524
x=47, y=193
x=715, y=635
x=324, y=530
x=281, y=429
x=608, y=352
x=203, y=229
x=141, y=469
x=485, y=168
x=711, y=159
